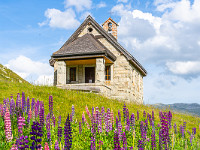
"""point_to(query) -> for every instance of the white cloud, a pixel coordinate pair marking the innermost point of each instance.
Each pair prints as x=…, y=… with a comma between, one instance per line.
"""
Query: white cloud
x=101, y=5
x=85, y=14
x=123, y=1
x=80, y=5
x=59, y=19
x=44, y=80
x=184, y=68
x=29, y=69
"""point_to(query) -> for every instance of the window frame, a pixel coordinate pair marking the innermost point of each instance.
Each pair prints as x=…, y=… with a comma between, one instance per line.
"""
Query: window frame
x=108, y=73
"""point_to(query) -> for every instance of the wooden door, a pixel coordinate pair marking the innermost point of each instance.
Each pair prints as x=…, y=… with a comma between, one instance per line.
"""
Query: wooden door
x=89, y=74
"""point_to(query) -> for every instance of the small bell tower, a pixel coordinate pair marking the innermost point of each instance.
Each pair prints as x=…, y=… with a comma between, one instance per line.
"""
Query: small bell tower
x=111, y=27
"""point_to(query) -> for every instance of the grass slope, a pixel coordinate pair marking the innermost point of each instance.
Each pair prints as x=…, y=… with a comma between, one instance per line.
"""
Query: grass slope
x=9, y=76
x=63, y=100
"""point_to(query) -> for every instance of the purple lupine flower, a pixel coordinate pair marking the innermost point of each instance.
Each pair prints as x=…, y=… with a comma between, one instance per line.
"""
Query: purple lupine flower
x=41, y=114
x=59, y=133
x=119, y=114
x=169, y=118
x=191, y=138
x=18, y=101
x=109, y=119
x=99, y=123
x=143, y=133
x=51, y=105
x=132, y=121
x=119, y=130
x=36, y=136
x=103, y=113
x=68, y=134
x=80, y=128
x=140, y=145
x=116, y=141
x=116, y=121
x=184, y=125
x=4, y=106
x=37, y=105
x=23, y=102
x=56, y=145
x=153, y=140
x=33, y=105
x=88, y=112
x=23, y=142
x=21, y=123
x=28, y=105
x=182, y=132
x=124, y=141
x=112, y=117
x=92, y=146
x=83, y=118
x=59, y=120
x=194, y=131
x=7, y=123
x=137, y=115
x=12, y=106
x=127, y=124
x=144, y=114
x=70, y=117
x=48, y=127
x=153, y=115
x=124, y=112
x=175, y=128
x=164, y=131
x=93, y=128
x=73, y=112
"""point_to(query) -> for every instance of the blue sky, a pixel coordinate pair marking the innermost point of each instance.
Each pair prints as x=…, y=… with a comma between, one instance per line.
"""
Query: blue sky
x=163, y=35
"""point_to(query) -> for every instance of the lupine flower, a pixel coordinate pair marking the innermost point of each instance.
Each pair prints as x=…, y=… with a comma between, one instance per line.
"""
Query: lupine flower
x=18, y=101
x=23, y=102
x=184, y=125
x=80, y=128
x=70, y=117
x=7, y=122
x=59, y=133
x=100, y=143
x=103, y=114
x=1, y=110
x=143, y=134
x=127, y=124
x=57, y=146
x=41, y=114
x=169, y=118
x=99, y=125
x=112, y=117
x=116, y=141
x=132, y=120
x=21, y=123
x=23, y=142
x=182, y=130
x=153, y=115
x=92, y=146
x=164, y=131
x=124, y=141
x=73, y=112
x=175, y=128
x=51, y=106
x=191, y=138
x=144, y=114
x=193, y=131
x=48, y=127
x=36, y=136
x=119, y=114
x=54, y=120
x=83, y=118
x=137, y=115
x=140, y=145
x=37, y=105
x=119, y=130
x=153, y=140
x=14, y=147
x=88, y=112
x=12, y=106
x=93, y=128
x=28, y=105
x=46, y=146
x=33, y=104
x=124, y=112
x=116, y=120
x=68, y=134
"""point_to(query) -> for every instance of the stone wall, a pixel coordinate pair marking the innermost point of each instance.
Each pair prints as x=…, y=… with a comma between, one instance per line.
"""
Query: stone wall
x=61, y=72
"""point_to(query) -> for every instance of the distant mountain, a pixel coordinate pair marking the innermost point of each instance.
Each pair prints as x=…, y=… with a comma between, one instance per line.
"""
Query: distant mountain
x=10, y=76
x=192, y=108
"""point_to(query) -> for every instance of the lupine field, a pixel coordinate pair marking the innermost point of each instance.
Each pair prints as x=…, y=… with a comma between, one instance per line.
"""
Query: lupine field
x=25, y=125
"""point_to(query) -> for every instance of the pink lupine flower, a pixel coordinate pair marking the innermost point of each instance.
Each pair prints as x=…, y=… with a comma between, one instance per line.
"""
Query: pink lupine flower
x=14, y=147
x=7, y=122
x=21, y=123
x=46, y=146
x=87, y=111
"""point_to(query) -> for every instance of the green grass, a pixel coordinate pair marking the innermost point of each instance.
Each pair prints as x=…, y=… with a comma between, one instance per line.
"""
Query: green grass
x=63, y=100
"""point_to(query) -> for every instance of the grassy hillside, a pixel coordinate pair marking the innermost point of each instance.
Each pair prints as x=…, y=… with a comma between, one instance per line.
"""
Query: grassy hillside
x=8, y=75
x=63, y=100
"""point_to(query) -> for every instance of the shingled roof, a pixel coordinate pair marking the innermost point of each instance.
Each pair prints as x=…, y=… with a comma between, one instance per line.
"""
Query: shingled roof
x=74, y=37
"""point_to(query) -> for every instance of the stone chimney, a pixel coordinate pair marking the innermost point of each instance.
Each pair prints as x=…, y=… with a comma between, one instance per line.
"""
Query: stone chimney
x=111, y=27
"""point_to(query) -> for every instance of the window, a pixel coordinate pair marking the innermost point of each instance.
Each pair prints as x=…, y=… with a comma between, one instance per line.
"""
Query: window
x=90, y=29
x=108, y=73
x=73, y=74
x=109, y=27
